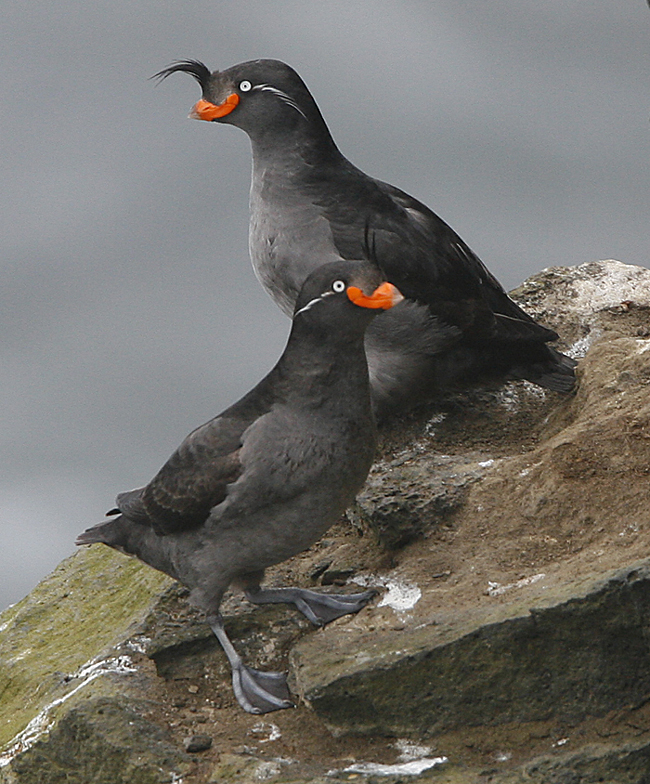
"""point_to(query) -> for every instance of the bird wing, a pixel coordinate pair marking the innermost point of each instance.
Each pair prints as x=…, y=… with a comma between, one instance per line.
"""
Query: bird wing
x=192, y=481
x=196, y=477
x=422, y=256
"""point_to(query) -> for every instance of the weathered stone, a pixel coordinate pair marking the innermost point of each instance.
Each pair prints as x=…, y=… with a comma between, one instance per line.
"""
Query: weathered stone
x=338, y=576
x=196, y=743
x=73, y=706
x=584, y=302
x=572, y=652
x=628, y=764
x=580, y=481
x=409, y=496
x=246, y=770
x=101, y=740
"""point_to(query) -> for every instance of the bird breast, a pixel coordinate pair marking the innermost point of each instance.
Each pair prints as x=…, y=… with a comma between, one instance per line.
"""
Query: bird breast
x=288, y=237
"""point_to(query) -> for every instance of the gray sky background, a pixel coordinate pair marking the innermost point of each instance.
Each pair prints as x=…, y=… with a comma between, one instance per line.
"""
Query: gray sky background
x=129, y=310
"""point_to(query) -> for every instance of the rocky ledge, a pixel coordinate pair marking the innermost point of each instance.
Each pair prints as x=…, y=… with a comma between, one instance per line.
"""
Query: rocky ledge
x=509, y=533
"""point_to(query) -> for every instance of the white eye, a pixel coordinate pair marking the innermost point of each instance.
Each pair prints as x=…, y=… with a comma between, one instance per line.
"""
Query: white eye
x=338, y=286
x=245, y=86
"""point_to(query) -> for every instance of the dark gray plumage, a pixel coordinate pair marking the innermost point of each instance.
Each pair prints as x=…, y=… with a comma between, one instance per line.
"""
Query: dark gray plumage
x=267, y=477
x=310, y=205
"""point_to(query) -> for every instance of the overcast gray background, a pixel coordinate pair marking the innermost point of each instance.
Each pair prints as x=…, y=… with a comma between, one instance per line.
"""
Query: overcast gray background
x=129, y=310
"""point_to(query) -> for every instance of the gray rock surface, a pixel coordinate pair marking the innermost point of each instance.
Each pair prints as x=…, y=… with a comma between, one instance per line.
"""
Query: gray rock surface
x=508, y=530
x=566, y=650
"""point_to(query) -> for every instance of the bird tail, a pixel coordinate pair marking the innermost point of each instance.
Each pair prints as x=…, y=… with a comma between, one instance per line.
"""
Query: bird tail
x=113, y=533
x=554, y=371
x=132, y=538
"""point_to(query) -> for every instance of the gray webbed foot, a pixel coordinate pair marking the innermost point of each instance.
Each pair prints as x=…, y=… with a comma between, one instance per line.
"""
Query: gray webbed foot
x=256, y=691
x=319, y=608
x=260, y=692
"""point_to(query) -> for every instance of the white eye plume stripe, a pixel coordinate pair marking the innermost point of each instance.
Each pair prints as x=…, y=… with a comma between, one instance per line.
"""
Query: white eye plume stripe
x=282, y=95
x=312, y=302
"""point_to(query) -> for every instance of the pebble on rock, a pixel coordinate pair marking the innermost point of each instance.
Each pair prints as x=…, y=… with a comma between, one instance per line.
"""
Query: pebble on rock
x=197, y=743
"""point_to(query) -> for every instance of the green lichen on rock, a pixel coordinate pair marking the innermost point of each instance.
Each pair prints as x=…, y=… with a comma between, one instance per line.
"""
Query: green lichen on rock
x=86, y=606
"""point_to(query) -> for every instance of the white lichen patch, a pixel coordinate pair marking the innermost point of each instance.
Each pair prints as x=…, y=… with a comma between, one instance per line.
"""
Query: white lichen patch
x=20, y=656
x=43, y=722
x=495, y=589
x=401, y=595
x=413, y=768
x=430, y=427
x=409, y=751
x=265, y=731
x=508, y=398
x=267, y=770
x=606, y=284
x=138, y=644
x=580, y=347
x=512, y=395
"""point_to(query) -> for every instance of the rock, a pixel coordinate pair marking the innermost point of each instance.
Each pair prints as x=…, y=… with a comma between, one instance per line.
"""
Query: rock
x=628, y=764
x=244, y=770
x=508, y=531
x=408, y=496
x=570, y=510
x=71, y=700
x=196, y=743
x=100, y=739
x=338, y=576
x=561, y=651
x=583, y=303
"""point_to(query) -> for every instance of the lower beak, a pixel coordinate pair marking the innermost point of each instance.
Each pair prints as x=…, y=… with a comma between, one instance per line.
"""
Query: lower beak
x=204, y=110
x=385, y=296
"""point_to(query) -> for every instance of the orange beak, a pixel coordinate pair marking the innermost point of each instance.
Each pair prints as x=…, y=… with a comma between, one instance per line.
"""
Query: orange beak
x=204, y=110
x=384, y=296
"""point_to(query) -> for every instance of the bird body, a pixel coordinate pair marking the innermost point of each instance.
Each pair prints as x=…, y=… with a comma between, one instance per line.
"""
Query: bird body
x=310, y=205
x=266, y=478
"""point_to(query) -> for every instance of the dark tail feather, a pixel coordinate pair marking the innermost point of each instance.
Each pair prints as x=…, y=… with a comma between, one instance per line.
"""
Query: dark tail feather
x=110, y=533
x=131, y=538
x=556, y=372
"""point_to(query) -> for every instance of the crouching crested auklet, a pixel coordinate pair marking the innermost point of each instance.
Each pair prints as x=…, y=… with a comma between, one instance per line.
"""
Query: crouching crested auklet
x=309, y=204
x=266, y=478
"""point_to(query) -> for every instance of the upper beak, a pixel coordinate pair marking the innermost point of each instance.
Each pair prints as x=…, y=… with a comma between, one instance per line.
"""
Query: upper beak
x=204, y=110
x=384, y=296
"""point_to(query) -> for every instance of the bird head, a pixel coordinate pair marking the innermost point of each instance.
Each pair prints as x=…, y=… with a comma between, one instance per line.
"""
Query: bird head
x=345, y=292
x=256, y=95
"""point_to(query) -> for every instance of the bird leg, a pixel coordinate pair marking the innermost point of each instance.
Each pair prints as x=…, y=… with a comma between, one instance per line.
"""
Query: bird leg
x=319, y=608
x=256, y=691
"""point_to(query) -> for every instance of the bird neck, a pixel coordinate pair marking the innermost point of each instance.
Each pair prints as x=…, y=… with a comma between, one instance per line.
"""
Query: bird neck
x=290, y=150
x=316, y=371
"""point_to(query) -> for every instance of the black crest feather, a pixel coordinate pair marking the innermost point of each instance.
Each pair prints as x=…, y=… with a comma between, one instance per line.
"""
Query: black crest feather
x=195, y=68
